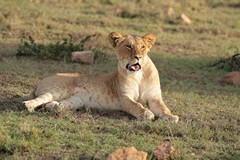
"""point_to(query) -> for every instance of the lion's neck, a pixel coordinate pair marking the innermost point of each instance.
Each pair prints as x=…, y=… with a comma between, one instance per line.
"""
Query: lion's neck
x=150, y=72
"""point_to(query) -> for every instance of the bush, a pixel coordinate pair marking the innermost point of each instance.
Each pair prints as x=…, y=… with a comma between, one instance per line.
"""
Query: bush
x=55, y=51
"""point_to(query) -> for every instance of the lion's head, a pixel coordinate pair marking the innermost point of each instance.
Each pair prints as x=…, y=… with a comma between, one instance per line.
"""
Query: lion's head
x=131, y=49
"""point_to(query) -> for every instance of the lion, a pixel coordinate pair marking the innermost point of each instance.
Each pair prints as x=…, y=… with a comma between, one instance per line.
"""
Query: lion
x=134, y=88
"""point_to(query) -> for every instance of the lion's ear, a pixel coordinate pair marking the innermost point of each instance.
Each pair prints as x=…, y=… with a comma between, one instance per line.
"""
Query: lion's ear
x=149, y=39
x=114, y=38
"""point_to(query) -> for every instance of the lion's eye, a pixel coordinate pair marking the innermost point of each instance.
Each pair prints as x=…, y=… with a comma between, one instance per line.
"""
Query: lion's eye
x=129, y=47
x=143, y=47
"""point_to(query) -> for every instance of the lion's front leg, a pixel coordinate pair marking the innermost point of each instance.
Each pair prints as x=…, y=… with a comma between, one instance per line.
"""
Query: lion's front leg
x=158, y=107
x=136, y=109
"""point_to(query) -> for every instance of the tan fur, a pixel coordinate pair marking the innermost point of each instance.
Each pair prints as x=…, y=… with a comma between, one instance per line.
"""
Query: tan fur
x=133, y=88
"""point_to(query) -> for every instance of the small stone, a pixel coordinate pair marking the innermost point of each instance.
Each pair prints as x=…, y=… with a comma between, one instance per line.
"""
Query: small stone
x=129, y=153
x=231, y=78
x=165, y=151
x=118, y=11
x=193, y=154
x=83, y=57
x=35, y=1
x=185, y=19
x=170, y=11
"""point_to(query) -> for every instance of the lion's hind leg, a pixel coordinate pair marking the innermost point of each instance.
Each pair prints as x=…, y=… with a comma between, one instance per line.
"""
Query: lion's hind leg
x=72, y=103
x=53, y=106
x=38, y=101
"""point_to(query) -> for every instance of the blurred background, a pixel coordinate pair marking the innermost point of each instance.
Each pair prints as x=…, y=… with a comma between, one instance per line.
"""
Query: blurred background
x=182, y=27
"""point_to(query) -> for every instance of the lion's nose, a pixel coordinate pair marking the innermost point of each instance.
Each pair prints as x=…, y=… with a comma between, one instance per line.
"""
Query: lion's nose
x=137, y=57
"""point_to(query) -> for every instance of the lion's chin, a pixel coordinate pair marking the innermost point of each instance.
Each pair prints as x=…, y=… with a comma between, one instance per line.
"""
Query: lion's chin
x=135, y=67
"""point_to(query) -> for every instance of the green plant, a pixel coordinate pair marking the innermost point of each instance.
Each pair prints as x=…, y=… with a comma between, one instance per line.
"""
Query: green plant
x=56, y=51
x=60, y=50
x=228, y=64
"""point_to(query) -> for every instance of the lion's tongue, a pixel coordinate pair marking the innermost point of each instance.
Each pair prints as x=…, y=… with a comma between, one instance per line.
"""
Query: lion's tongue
x=135, y=67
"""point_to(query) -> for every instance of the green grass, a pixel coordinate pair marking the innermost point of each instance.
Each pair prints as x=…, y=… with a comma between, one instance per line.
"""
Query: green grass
x=208, y=110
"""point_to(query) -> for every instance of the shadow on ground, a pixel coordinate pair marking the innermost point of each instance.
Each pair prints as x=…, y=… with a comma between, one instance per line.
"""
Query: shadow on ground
x=178, y=75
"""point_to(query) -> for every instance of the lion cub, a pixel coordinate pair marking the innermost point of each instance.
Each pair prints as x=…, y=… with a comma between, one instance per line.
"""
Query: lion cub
x=133, y=88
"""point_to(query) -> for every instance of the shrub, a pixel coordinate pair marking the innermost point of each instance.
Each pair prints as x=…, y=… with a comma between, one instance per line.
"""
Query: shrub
x=55, y=51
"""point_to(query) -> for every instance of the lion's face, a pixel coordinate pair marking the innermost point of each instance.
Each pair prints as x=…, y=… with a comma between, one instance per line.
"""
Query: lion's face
x=131, y=49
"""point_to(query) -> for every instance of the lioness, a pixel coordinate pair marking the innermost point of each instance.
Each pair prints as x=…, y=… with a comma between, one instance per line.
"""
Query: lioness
x=133, y=88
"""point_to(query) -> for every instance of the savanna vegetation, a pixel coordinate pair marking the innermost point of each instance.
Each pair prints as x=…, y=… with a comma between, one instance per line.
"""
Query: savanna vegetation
x=37, y=37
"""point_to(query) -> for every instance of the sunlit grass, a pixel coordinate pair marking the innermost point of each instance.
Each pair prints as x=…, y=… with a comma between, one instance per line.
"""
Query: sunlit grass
x=208, y=110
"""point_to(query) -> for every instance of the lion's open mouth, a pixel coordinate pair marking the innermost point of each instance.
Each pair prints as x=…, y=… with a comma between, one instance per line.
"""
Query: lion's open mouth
x=134, y=67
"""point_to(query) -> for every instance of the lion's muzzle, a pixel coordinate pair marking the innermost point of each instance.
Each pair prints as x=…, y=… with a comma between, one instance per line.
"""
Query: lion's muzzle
x=134, y=67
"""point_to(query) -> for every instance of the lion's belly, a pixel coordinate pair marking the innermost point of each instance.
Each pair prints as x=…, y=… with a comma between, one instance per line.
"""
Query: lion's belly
x=97, y=99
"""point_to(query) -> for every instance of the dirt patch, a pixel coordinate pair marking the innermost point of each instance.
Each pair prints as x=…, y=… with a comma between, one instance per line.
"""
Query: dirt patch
x=5, y=95
x=7, y=50
x=4, y=81
x=11, y=95
x=11, y=104
x=226, y=4
x=201, y=30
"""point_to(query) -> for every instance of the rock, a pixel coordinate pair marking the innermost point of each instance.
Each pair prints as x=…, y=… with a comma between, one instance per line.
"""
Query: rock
x=118, y=11
x=83, y=57
x=170, y=11
x=129, y=153
x=165, y=151
x=231, y=78
x=35, y=1
x=185, y=19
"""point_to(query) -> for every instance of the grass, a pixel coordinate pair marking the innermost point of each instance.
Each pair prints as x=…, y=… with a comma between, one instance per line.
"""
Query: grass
x=208, y=110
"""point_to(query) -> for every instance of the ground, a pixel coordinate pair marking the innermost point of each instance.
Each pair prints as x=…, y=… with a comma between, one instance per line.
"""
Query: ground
x=208, y=110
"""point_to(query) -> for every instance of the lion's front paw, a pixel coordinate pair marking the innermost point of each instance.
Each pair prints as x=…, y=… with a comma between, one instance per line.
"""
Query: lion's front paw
x=175, y=118
x=146, y=115
x=171, y=118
